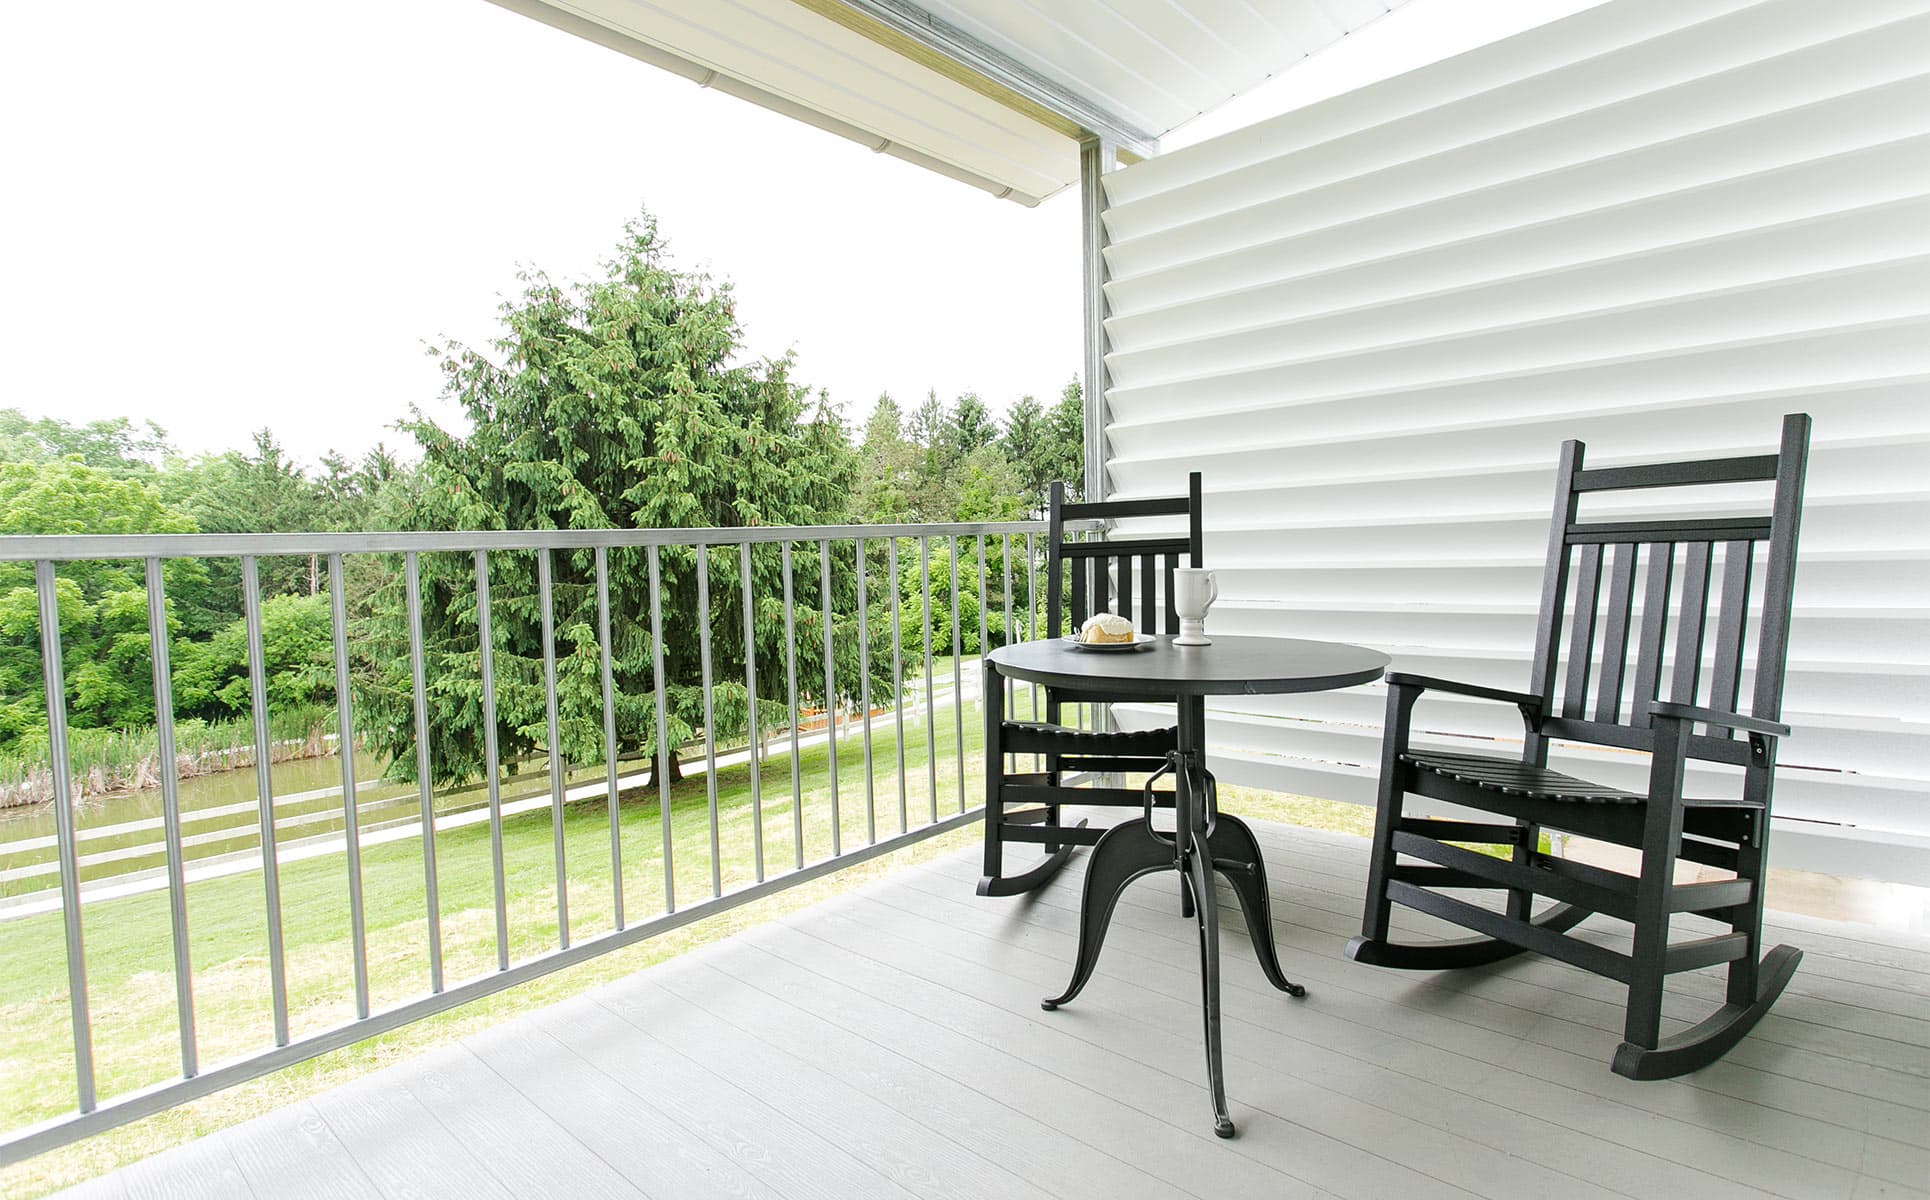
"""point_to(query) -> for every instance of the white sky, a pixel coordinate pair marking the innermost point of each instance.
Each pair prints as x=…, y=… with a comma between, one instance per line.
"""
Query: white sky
x=222, y=215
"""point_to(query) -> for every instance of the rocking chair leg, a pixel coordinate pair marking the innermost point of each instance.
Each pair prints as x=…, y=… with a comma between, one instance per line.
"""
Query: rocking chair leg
x=1745, y=973
x=1661, y=839
x=994, y=884
x=1711, y=1038
x=1387, y=816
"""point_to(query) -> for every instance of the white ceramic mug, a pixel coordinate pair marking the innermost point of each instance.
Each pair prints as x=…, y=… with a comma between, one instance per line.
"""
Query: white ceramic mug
x=1194, y=591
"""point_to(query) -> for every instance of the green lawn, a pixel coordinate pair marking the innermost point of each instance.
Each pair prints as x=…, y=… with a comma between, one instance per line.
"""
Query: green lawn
x=129, y=956
x=130, y=972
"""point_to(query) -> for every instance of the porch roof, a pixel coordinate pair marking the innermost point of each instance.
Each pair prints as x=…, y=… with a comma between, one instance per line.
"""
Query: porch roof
x=995, y=93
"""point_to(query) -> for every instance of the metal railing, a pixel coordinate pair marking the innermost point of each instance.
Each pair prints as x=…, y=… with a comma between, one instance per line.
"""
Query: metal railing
x=1015, y=545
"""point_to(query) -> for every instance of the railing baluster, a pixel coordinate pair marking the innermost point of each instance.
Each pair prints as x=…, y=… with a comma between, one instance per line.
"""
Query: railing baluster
x=864, y=696
x=55, y=679
x=492, y=755
x=750, y=707
x=284, y=956
x=1032, y=623
x=345, y=750
x=830, y=694
x=958, y=682
x=663, y=731
x=984, y=622
x=790, y=689
x=1005, y=561
x=425, y=785
x=265, y=796
x=931, y=699
x=546, y=597
x=608, y=680
x=898, y=680
x=157, y=633
x=710, y=715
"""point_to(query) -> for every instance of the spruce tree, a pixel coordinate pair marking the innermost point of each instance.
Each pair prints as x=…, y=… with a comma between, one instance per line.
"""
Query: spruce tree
x=618, y=402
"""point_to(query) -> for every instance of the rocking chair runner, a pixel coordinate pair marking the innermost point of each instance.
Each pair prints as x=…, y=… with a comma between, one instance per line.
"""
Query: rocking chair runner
x=1731, y=834
x=1084, y=565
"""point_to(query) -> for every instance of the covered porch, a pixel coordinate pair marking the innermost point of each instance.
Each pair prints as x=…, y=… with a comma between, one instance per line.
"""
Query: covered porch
x=1368, y=323
x=890, y=1043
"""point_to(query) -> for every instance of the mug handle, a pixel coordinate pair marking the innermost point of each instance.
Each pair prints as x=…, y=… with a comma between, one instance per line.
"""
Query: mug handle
x=1212, y=588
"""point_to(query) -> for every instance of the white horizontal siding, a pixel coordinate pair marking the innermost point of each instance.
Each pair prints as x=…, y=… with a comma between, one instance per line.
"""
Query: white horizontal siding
x=1657, y=226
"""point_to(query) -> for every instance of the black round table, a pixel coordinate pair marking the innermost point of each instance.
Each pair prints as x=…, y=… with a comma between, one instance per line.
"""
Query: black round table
x=1204, y=840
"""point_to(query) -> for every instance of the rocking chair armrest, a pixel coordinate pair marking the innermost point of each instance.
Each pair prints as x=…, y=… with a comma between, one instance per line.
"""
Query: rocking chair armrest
x=1718, y=717
x=1526, y=701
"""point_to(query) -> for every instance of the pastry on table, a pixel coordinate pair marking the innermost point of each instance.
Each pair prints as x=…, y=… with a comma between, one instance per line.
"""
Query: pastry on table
x=1106, y=627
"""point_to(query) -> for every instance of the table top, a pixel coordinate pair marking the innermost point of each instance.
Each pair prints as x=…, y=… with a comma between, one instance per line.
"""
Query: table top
x=1231, y=666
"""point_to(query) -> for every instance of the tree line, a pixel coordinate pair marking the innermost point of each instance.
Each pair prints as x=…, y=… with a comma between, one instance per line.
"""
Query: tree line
x=619, y=401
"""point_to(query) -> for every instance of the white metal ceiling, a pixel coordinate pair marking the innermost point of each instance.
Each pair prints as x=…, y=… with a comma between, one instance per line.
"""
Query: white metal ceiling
x=1154, y=64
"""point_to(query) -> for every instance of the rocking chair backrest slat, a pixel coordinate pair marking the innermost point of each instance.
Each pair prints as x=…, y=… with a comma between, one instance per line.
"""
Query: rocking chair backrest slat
x=1621, y=602
x=1100, y=569
x=1581, y=639
x=1655, y=617
x=1731, y=619
x=1694, y=598
x=1080, y=567
x=1680, y=646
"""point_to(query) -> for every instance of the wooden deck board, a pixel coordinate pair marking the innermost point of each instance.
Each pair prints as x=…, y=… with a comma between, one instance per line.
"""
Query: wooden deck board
x=890, y=1043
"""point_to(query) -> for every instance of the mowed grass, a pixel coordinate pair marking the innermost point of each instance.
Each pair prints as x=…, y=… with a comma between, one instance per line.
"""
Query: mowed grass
x=131, y=986
x=129, y=956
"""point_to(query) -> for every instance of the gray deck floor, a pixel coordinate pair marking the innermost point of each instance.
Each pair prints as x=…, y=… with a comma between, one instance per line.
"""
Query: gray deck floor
x=890, y=1044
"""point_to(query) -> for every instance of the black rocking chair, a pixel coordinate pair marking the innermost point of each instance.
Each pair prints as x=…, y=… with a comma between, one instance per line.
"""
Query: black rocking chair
x=1731, y=834
x=1089, y=566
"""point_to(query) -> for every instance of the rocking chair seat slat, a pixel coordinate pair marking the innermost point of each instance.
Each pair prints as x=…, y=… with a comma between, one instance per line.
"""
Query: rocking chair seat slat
x=1516, y=778
x=1039, y=737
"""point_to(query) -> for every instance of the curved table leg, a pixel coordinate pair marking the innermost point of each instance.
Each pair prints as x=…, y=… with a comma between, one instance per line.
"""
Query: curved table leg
x=1199, y=881
x=1236, y=855
x=1126, y=852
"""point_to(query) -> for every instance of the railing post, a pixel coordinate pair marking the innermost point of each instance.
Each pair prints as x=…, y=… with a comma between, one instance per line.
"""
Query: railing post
x=432, y=903
x=663, y=731
x=54, y=678
x=265, y=796
x=710, y=713
x=830, y=694
x=790, y=689
x=345, y=750
x=750, y=708
x=492, y=761
x=607, y=679
x=546, y=599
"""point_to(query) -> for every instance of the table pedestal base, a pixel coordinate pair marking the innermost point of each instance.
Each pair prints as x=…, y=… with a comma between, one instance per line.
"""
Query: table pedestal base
x=1203, y=842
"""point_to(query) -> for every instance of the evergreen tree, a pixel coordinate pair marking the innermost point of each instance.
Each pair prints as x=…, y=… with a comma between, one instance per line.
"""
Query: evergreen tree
x=970, y=427
x=888, y=468
x=1064, y=453
x=614, y=403
x=1024, y=443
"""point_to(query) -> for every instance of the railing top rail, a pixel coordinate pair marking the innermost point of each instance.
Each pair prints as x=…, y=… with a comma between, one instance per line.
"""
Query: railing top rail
x=71, y=547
